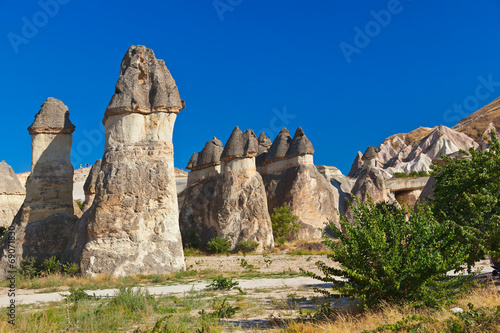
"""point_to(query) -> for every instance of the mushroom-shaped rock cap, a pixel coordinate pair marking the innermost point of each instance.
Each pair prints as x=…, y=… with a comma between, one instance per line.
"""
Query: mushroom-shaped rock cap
x=300, y=145
x=370, y=153
x=145, y=86
x=209, y=156
x=193, y=162
x=264, y=142
x=9, y=183
x=279, y=147
x=53, y=118
x=240, y=145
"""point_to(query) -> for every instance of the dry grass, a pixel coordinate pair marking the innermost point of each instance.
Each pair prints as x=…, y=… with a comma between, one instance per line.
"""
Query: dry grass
x=389, y=314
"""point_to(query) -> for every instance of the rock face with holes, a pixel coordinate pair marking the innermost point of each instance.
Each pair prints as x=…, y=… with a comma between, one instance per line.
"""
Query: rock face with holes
x=48, y=206
x=226, y=196
x=12, y=194
x=133, y=225
x=290, y=177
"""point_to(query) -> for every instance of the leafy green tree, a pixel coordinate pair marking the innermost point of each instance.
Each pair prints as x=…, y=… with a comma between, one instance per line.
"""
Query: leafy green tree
x=385, y=256
x=284, y=222
x=467, y=192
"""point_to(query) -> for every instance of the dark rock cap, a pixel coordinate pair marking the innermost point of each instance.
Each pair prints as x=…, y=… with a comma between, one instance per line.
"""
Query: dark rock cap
x=264, y=145
x=370, y=153
x=53, y=118
x=89, y=186
x=209, y=156
x=193, y=162
x=9, y=183
x=145, y=86
x=300, y=145
x=280, y=147
x=240, y=145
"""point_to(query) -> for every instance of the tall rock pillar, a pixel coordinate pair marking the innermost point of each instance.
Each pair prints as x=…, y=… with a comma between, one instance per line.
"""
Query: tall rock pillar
x=133, y=225
x=43, y=224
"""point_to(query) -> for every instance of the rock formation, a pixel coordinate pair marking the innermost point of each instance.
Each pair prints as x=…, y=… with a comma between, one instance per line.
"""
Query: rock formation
x=230, y=204
x=356, y=166
x=290, y=177
x=12, y=194
x=414, y=151
x=133, y=225
x=370, y=185
x=90, y=184
x=47, y=211
x=341, y=184
x=206, y=163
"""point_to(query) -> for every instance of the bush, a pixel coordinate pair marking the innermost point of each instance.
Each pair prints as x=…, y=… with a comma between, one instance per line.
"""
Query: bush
x=467, y=192
x=247, y=246
x=51, y=265
x=30, y=268
x=71, y=268
x=384, y=256
x=411, y=174
x=222, y=283
x=284, y=222
x=218, y=245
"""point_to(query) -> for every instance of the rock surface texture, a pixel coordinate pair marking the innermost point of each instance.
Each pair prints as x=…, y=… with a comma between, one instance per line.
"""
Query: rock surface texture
x=12, y=194
x=133, y=225
x=414, y=151
x=290, y=177
x=230, y=204
x=48, y=206
x=90, y=184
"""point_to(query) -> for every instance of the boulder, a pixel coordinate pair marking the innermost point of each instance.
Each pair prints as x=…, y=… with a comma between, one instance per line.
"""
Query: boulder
x=133, y=225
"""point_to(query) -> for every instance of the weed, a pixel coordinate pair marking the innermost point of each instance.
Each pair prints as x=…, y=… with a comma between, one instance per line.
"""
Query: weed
x=222, y=283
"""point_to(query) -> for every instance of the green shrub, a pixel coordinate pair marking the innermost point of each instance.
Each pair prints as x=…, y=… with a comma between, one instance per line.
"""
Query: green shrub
x=3, y=231
x=30, y=268
x=384, y=256
x=71, y=268
x=247, y=246
x=411, y=174
x=467, y=192
x=218, y=245
x=284, y=222
x=280, y=241
x=222, y=283
x=51, y=265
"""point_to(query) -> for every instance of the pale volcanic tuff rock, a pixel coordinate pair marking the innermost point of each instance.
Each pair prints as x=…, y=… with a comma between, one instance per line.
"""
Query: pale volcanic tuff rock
x=133, y=225
x=48, y=205
x=414, y=151
x=290, y=177
x=12, y=194
x=231, y=204
x=356, y=166
x=89, y=187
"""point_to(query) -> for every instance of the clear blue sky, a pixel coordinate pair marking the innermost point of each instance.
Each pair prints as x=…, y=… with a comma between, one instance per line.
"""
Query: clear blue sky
x=253, y=63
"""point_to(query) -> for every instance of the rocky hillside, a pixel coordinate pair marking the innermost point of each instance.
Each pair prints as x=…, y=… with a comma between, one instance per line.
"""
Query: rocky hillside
x=414, y=151
x=481, y=120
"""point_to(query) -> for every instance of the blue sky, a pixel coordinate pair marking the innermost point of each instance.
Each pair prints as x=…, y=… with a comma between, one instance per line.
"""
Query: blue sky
x=351, y=73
